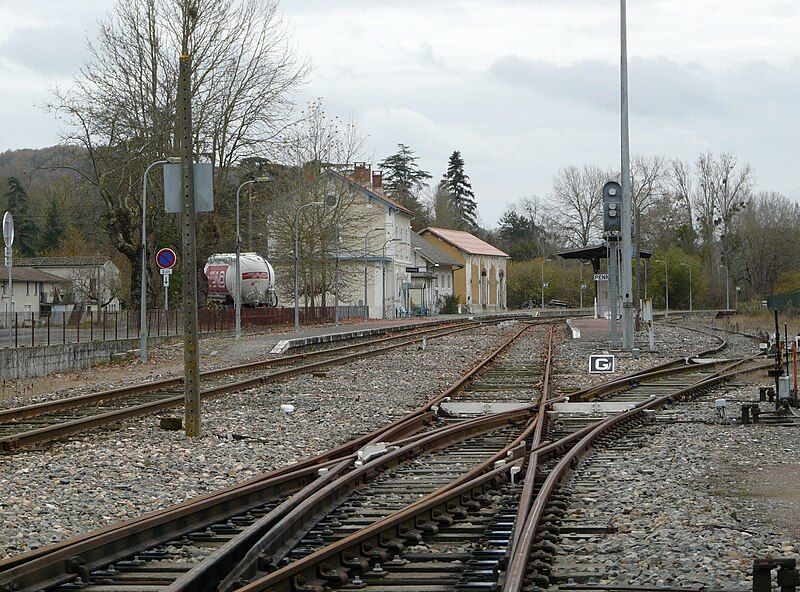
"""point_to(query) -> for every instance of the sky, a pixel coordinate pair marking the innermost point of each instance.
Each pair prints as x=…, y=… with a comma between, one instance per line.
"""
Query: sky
x=521, y=88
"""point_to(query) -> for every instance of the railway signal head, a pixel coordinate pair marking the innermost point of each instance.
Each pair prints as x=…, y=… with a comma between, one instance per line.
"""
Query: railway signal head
x=612, y=207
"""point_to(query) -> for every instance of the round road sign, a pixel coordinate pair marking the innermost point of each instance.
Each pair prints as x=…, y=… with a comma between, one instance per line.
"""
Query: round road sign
x=166, y=258
x=8, y=229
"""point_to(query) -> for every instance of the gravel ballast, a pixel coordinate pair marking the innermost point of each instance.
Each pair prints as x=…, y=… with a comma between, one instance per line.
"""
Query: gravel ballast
x=113, y=474
x=693, y=501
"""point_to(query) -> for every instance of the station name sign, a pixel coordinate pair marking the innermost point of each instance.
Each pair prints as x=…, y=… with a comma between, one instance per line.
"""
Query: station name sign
x=601, y=277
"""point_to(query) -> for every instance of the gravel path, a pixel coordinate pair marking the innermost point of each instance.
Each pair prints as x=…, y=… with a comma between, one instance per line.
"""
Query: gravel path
x=115, y=474
x=694, y=502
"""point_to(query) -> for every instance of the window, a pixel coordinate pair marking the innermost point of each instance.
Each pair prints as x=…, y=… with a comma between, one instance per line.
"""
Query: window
x=27, y=288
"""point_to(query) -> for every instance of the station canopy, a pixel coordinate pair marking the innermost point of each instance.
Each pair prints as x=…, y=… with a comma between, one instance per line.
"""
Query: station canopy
x=595, y=254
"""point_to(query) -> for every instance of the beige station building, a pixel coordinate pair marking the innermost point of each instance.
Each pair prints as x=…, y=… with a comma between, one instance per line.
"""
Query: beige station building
x=480, y=282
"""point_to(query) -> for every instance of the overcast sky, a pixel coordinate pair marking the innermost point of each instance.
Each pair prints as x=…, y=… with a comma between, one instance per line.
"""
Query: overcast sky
x=520, y=87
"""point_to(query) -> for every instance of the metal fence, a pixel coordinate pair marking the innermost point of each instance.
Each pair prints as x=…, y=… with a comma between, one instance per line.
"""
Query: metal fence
x=24, y=329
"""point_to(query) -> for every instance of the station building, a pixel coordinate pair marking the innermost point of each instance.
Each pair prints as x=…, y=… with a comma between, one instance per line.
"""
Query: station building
x=432, y=276
x=480, y=282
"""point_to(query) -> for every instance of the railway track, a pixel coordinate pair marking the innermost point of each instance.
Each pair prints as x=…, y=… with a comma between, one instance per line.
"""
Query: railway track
x=463, y=494
x=261, y=503
x=33, y=424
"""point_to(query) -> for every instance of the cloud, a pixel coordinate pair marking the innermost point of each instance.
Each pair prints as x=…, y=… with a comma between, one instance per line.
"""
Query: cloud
x=34, y=48
x=658, y=87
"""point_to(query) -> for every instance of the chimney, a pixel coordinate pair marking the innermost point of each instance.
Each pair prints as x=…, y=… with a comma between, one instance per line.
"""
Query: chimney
x=377, y=179
x=361, y=173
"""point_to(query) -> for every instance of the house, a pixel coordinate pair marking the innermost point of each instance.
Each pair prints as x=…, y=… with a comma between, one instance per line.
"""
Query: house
x=374, y=244
x=93, y=280
x=380, y=245
x=34, y=290
x=480, y=284
x=432, y=276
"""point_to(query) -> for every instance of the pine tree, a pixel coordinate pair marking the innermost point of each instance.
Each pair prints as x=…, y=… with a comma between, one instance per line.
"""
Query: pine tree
x=55, y=230
x=25, y=231
x=460, y=189
x=403, y=179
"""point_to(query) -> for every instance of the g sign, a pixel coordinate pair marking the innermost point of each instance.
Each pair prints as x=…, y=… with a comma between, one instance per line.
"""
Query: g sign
x=601, y=364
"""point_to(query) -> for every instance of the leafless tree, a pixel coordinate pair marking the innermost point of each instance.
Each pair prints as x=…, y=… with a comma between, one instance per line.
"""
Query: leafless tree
x=121, y=109
x=317, y=157
x=444, y=214
x=765, y=239
x=578, y=198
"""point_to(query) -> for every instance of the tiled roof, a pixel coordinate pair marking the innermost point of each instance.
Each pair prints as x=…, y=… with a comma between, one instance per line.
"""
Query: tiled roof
x=375, y=193
x=431, y=253
x=83, y=261
x=469, y=243
x=29, y=274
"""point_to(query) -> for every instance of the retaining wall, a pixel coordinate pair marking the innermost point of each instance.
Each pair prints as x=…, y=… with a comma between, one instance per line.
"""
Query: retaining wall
x=41, y=360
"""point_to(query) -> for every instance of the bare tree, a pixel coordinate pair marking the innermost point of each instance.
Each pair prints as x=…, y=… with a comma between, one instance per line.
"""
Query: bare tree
x=121, y=109
x=765, y=240
x=578, y=198
x=317, y=155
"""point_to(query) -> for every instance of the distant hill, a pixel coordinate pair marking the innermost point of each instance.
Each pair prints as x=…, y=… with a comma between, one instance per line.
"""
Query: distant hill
x=34, y=166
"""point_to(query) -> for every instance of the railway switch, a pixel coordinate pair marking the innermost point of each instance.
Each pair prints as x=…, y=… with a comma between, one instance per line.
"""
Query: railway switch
x=788, y=577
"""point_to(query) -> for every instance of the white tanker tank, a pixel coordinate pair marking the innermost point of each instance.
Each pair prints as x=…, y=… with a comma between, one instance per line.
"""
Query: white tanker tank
x=258, y=280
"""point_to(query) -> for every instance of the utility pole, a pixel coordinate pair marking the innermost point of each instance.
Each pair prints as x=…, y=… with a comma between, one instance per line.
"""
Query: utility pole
x=626, y=270
x=191, y=362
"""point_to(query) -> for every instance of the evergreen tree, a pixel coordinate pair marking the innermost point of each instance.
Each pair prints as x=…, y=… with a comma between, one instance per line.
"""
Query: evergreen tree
x=460, y=189
x=55, y=230
x=403, y=179
x=25, y=231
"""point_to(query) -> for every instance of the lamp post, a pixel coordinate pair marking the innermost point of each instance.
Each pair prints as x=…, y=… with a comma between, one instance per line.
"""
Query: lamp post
x=690, y=284
x=366, y=254
x=143, y=289
x=582, y=285
x=738, y=289
x=666, y=286
x=383, y=275
x=297, y=262
x=727, y=288
x=543, y=286
x=238, y=283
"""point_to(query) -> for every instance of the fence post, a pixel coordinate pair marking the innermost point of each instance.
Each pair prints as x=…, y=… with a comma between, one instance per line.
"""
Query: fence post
x=49, y=316
x=105, y=322
x=33, y=330
x=16, y=329
x=63, y=327
x=116, y=325
x=91, y=326
x=78, y=325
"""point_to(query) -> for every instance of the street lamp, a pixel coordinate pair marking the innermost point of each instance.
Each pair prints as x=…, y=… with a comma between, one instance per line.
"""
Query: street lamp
x=383, y=275
x=690, y=284
x=366, y=254
x=238, y=283
x=727, y=288
x=738, y=289
x=543, y=286
x=143, y=292
x=666, y=286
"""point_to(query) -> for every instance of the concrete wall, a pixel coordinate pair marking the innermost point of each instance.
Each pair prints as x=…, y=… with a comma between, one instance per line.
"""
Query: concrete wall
x=32, y=362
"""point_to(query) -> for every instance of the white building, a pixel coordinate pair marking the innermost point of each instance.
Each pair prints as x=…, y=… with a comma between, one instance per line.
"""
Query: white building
x=380, y=248
x=34, y=291
x=93, y=280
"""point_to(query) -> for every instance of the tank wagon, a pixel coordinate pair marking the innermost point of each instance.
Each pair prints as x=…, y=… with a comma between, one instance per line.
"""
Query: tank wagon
x=258, y=280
